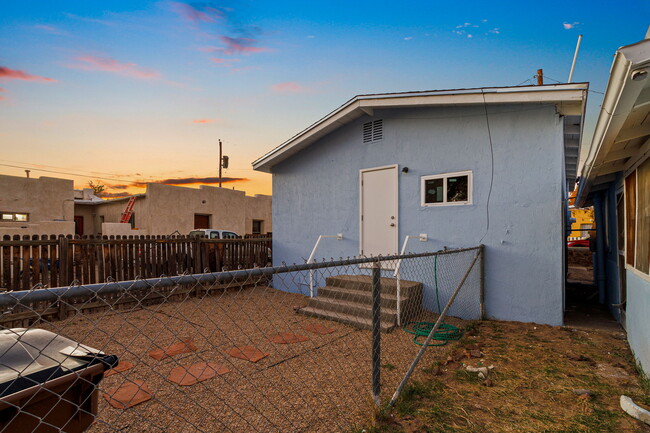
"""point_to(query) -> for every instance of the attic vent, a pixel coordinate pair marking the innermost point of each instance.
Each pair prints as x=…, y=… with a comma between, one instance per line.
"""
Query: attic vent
x=373, y=131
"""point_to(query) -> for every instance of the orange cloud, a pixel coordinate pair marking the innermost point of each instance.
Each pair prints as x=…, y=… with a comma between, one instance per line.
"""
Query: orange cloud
x=240, y=46
x=13, y=74
x=204, y=120
x=289, y=87
x=108, y=64
x=181, y=181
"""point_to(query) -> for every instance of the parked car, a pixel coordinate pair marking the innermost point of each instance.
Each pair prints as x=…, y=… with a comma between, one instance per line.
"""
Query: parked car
x=214, y=234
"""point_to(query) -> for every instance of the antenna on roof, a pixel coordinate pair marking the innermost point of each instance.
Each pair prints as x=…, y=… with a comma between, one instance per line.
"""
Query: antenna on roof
x=575, y=57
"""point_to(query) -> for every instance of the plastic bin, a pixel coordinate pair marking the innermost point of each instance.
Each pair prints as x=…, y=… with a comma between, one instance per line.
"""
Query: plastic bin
x=48, y=383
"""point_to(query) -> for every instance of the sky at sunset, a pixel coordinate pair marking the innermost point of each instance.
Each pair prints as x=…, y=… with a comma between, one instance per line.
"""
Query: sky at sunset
x=129, y=92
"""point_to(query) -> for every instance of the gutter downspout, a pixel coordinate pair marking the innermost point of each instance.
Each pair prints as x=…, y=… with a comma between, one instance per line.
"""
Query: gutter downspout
x=599, y=269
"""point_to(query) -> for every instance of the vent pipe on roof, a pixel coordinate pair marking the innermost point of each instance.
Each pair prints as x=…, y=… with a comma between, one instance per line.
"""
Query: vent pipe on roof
x=575, y=57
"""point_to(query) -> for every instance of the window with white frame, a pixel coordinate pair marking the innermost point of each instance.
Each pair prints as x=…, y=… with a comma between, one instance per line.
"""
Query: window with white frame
x=637, y=218
x=14, y=216
x=446, y=189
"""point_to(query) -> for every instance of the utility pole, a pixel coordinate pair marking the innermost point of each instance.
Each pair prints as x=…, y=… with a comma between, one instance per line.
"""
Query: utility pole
x=27, y=173
x=220, y=163
x=540, y=77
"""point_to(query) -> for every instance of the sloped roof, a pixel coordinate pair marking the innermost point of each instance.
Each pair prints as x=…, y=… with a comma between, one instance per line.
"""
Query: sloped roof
x=622, y=135
x=569, y=99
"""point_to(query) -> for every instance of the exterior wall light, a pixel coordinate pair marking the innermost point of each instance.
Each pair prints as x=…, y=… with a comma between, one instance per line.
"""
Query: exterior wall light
x=405, y=170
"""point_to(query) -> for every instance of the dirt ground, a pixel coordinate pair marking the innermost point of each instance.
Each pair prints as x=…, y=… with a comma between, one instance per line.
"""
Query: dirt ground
x=319, y=385
x=545, y=379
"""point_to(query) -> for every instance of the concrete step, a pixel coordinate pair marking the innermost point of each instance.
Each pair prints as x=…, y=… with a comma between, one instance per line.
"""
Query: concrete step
x=350, y=307
x=361, y=296
x=364, y=282
x=348, y=319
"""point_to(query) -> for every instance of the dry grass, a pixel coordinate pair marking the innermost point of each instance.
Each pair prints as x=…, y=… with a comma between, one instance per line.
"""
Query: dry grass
x=321, y=385
x=536, y=370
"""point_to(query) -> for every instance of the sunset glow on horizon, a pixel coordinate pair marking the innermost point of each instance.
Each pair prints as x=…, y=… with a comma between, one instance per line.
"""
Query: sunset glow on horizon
x=132, y=92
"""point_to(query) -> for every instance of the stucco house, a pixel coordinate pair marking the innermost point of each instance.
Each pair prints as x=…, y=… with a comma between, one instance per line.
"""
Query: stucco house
x=615, y=178
x=35, y=206
x=167, y=209
x=465, y=167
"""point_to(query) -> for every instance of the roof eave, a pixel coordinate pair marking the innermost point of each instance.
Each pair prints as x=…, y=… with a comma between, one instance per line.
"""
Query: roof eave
x=620, y=98
x=569, y=99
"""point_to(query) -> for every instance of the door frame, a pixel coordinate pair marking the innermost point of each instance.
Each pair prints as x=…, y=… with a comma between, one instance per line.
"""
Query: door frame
x=365, y=170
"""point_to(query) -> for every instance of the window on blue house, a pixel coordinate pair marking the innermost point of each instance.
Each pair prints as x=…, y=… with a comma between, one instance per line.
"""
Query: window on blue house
x=446, y=189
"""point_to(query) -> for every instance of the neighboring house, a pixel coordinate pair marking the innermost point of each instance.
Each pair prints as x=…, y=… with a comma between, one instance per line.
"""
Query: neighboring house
x=30, y=206
x=469, y=166
x=165, y=210
x=615, y=178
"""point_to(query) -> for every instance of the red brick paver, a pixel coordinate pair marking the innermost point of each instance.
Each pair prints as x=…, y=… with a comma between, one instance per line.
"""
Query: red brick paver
x=185, y=346
x=247, y=353
x=122, y=366
x=195, y=373
x=317, y=328
x=128, y=395
x=288, y=338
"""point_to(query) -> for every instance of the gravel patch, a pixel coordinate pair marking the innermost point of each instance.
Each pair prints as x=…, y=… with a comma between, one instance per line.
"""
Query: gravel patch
x=319, y=385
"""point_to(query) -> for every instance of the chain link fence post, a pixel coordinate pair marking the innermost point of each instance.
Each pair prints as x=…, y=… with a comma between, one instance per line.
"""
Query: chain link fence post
x=376, y=336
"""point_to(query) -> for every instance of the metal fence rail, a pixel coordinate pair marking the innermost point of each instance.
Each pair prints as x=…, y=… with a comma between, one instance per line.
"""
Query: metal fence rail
x=244, y=350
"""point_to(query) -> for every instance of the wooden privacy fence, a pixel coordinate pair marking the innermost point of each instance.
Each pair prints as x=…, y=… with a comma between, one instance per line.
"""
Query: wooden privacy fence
x=60, y=261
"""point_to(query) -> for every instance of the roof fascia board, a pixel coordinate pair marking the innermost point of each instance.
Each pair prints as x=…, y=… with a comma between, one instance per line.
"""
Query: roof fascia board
x=569, y=99
x=620, y=98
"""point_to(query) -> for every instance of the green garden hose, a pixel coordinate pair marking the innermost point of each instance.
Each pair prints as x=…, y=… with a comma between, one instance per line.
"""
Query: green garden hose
x=444, y=333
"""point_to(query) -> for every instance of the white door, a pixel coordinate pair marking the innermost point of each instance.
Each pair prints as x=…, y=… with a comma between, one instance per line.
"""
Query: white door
x=379, y=211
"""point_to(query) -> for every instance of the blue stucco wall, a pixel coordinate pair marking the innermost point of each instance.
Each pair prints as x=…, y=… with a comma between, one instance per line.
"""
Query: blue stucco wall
x=317, y=192
x=637, y=313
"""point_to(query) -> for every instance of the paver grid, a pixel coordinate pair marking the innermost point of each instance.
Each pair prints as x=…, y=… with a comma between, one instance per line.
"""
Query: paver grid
x=271, y=369
x=322, y=384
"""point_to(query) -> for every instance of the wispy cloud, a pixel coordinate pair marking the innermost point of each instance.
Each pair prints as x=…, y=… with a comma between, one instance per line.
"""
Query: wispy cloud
x=241, y=46
x=408, y=38
x=466, y=31
x=290, y=87
x=107, y=64
x=198, y=12
x=205, y=120
x=224, y=63
x=569, y=26
x=13, y=74
x=495, y=31
x=1, y=96
x=50, y=29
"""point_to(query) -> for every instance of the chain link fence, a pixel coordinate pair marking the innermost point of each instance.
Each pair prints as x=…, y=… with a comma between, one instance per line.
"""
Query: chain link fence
x=313, y=347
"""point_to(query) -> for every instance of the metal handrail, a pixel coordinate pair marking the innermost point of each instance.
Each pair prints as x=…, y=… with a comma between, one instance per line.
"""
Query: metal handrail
x=338, y=237
x=423, y=238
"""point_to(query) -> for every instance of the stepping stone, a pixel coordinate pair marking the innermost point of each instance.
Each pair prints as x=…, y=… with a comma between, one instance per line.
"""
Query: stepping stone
x=317, y=328
x=247, y=353
x=185, y=346
x=128, y=395
x=122, y=366
x=186, y=376
x=288, y=338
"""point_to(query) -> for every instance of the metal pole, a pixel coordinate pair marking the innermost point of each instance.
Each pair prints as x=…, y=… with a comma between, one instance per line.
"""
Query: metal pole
x=220, y=162
x=482, y=283
x=416, y=361
x=575, y=57
x=376, y=333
